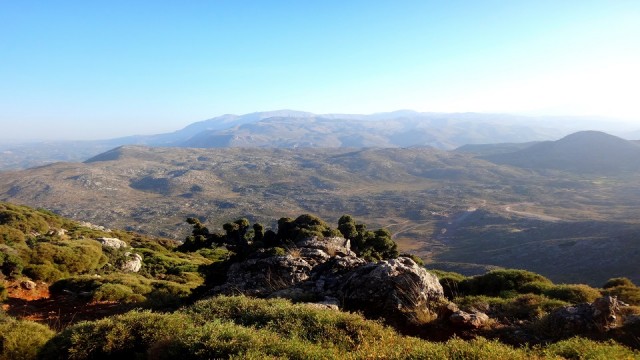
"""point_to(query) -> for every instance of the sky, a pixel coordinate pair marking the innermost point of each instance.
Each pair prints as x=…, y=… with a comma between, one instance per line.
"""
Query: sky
x=101, y=69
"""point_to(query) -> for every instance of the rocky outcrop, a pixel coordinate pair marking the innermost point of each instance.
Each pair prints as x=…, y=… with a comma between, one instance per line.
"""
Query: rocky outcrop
x=263, y=276
x=112, y=242
x=323, y=270
x=467, y=320
x=398, y=288
x=601, y=315
x=132, y=262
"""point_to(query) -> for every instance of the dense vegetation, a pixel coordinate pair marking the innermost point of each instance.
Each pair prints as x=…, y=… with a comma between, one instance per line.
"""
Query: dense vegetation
x=179, y=321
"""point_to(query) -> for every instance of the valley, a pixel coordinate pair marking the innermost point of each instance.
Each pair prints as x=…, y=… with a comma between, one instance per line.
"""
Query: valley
x=454, y=209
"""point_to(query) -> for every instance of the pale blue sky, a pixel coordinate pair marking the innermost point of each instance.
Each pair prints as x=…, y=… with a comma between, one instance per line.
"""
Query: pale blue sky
x=99, y=69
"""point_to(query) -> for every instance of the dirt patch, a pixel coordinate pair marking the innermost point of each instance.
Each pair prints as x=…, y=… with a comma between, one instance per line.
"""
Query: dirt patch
x=58, y=311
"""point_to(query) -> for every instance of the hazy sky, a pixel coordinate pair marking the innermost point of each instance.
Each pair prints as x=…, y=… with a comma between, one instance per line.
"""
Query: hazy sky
x=99, y=69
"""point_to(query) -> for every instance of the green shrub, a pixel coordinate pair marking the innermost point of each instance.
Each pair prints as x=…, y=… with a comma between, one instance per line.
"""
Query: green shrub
x=73, y=257
x=580, y=348
x=522, y=307
x=497, y=281
x=627, y=294
x=10, y=235
x=10, y=265
x=129, y=336
x=620, y=281
x=43, y=272
x=573, y=293
x=450, y=282
x=535, y=287
x=3, y=293
x=344, y=330
x=116, y=292
x=21, y=339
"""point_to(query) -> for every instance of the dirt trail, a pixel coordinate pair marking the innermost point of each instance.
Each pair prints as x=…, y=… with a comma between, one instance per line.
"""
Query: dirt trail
x=509, y=208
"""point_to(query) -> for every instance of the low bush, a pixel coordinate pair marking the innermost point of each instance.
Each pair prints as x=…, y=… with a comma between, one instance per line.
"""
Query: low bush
x=620, y=281
x=129, y=336
x=522, y=307
x=496, y=282
x=580, y=348
x=627, y=294
x=116, y=292
x=450, y=282
x=43, y=272
x=21, y=340
x=3, y=293
x=574, y=294
x=10, y=265
x=344, y=330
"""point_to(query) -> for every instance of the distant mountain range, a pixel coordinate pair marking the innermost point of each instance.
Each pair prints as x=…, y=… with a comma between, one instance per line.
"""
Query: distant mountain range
x=295, y=129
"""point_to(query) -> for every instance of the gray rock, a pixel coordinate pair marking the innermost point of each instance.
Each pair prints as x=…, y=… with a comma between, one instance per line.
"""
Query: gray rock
x=398, y=290
x=473, y=320
x=131, y=263
x=28, y=285
x=57, y=232
x=262, y=277
x=332, y=246
x=601, y=315
x=112, y=242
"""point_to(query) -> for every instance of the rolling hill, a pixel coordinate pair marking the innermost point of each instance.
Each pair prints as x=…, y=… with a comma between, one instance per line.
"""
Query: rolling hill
x=590, y=152
x=446, y=206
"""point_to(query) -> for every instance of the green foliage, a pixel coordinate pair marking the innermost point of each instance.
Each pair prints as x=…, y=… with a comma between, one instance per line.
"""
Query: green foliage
x=10, y=265
x=71, y=257
x=580, y=348
x=128, y=288
x=344, y=330
x=303, y=227
x=241, y=327
x=130, y=335
x=620, y=281
x=10, y=235
x=522, y=307
x=43, y=272
x=3, y=293
x=116, y=292
x=21, y=340
x=628, y=294
x=450, y=282
x=497, y=282
x=574, y=293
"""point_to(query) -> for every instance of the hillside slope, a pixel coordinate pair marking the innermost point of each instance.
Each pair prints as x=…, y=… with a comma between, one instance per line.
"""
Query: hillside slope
x=589, y=152
x=421, y=195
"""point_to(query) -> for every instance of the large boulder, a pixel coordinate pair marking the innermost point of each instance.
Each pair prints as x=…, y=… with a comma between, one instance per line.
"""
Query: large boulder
x=263, y=276
x=132, y=262
x=601, y=315
x=397, y=290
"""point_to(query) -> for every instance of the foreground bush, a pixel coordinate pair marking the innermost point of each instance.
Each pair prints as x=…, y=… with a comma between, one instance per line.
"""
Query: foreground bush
x=245, y=328
x=21, y=339
x=580, y=348
x=3, y=293
x=498, y=282
x=522, y=307
x=574, y=294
